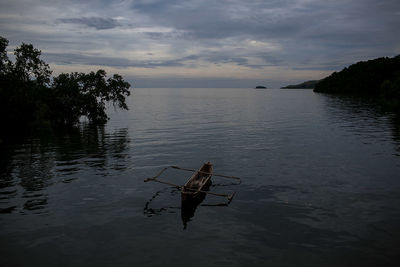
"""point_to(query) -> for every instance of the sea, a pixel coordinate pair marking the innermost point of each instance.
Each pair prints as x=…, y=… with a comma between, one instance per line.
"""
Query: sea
x=320, y=183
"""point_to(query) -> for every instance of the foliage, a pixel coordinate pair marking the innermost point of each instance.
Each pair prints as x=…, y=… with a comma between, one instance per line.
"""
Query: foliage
x=80, y=94
x=390, y=94
x=30, y=98
x=29, y=67
x=379, y=77
x=4, y=62
x=363, y=77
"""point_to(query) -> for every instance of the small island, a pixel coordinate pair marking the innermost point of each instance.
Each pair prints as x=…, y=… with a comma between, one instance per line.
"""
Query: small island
x=260, y=87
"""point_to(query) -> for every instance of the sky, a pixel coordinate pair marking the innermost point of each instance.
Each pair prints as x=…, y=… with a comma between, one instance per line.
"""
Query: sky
x=205, y=43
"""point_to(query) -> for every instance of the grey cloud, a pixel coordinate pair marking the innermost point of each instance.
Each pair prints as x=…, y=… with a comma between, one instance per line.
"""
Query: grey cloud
x=311, y=35
x=165, y=35
x=71, y=58
x=93, y=22
x=218, y=57
x=319, y=21
x=220, y=19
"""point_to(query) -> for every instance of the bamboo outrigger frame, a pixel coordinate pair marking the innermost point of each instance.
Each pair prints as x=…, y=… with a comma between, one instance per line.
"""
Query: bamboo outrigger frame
x=188, y=190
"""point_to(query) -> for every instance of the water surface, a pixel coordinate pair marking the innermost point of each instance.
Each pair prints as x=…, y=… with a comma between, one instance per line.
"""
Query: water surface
x=320, y=184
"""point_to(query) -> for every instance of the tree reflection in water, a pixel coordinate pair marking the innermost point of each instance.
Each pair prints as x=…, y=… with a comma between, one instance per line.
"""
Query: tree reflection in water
x=360, y=114
x=27, y=169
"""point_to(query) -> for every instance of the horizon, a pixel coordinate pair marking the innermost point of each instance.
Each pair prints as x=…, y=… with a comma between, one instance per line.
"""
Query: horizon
x=203, y=44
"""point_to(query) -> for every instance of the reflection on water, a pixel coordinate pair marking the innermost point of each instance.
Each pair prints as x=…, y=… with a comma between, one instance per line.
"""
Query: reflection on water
x=187, y=208
x=396, y=132
x=150, y=211
x=363, y=117
x=320, y=184
x=27, y=170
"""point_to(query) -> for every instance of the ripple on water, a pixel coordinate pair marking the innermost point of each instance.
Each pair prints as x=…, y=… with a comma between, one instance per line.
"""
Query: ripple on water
x=319, y=184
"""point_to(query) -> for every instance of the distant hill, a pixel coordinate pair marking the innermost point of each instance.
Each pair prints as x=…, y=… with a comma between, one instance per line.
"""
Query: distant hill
x=305, y=85
x=365, y=77
x=378, y=77
x=261, y=87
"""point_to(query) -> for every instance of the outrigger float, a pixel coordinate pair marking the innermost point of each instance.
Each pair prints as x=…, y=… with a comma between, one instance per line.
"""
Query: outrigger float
x=195, y=189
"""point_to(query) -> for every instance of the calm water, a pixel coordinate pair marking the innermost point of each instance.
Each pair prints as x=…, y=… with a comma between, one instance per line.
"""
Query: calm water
x=321, y=184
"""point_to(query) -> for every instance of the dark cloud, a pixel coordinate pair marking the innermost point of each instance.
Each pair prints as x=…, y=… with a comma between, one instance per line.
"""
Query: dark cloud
x=319, y=35
x=299, y=35
x=221, y=19
x=318, y=21
x=93, y=22
x=165, y=35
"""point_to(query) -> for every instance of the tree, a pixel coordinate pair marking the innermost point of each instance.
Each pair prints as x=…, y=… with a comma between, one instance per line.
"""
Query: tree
x=363, y=77
x=80, y=94
x=4, y=61
x=390, y=94
x=31, y=98
x=378, y=78
x=28, y=65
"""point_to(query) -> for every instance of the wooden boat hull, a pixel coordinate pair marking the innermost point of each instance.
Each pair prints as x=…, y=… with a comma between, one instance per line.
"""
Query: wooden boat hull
x=195, y=196
x=198, y=183
x=194, y=191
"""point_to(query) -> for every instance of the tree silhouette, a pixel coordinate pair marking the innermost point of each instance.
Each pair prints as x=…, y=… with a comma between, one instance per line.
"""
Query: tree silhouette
x=30, y=98
x=379, y=78
x=29, y=67
x=4, y=62
x=80, y=94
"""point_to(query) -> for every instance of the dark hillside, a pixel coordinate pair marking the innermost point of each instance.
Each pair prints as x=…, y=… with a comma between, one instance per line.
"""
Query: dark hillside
x=379, y=78
x=364, y=77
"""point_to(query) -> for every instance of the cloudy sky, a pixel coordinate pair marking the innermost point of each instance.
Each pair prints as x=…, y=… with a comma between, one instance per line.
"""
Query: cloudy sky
x=205, y=43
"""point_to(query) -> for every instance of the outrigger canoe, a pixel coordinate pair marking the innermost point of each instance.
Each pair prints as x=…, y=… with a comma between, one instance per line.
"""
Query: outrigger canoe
x=198, y=184
x=194, y=189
